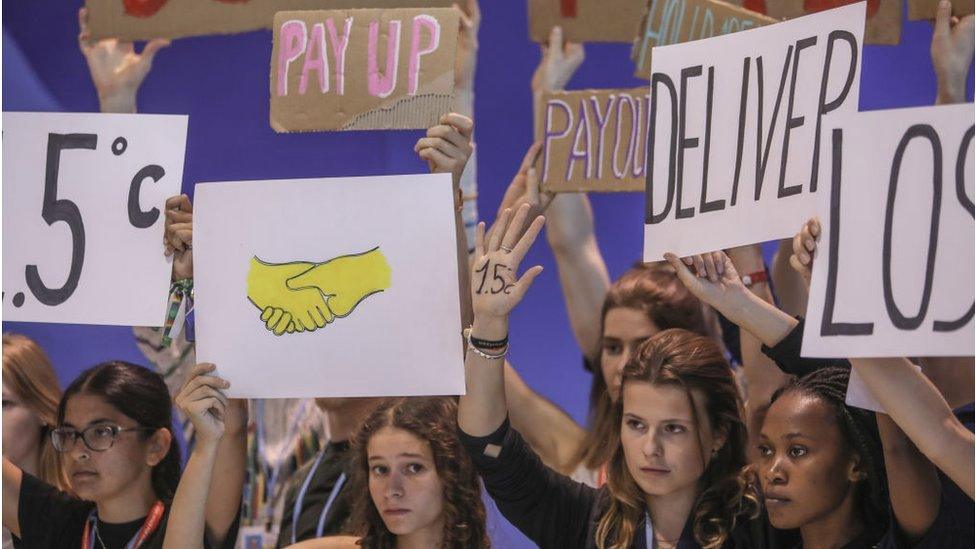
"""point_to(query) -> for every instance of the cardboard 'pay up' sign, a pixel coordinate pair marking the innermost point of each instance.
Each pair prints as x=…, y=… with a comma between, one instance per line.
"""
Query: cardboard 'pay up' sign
x=362, y=69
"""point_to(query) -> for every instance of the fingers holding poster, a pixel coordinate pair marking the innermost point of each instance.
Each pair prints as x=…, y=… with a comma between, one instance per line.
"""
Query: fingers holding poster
x=736, y=130
x=893, y=271
x=362, y=302
x=593, y=140
x=362, y=69
x=82, y=227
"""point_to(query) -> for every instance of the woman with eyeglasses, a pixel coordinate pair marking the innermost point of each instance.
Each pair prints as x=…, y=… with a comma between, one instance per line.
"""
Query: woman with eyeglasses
x=115, y=436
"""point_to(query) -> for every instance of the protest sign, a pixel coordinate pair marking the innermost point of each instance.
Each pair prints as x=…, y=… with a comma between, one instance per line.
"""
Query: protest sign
x=83, y=201
x=362, y=69
x=593, y=140
x=676, y=21
x=883, y=16
x=925, y=9
x=893, y=271
x=586, y=20
x=144, y=19
x=736, y=142
x=347, y=287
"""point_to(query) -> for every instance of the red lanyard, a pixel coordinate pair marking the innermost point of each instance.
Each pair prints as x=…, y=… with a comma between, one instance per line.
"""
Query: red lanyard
x=148, y=527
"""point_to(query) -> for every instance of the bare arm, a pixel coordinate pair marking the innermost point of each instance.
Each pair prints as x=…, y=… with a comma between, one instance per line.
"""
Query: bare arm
x=331, y=542
x=12, y=476
x=914, y=487
x=953, y=376
x=916, y=406
x=952, y=54
x=763, y=376
x=792, y=289
x=227, y=481
x=547, y=428
x=482, y=409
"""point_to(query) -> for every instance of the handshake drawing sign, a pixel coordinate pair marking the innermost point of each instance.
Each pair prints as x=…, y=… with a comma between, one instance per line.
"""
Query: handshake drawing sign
x=303, y=296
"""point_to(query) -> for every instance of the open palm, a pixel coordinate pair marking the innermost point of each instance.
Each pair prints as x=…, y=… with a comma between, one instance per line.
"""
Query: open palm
x=495, y=288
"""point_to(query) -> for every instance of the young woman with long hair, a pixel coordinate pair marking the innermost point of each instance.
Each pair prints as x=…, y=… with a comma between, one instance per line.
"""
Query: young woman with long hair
x=676, y=474
x=414, y=484
x=115, y=434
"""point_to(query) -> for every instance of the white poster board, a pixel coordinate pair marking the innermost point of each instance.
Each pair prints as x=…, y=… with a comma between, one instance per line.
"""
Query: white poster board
x=737, y=130
x=893, y=273
x=366, y=265
x=83, y=216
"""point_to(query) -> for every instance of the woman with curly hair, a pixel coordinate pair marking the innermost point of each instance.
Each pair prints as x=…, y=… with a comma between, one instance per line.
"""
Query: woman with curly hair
x=676, y=475
x=416, y=485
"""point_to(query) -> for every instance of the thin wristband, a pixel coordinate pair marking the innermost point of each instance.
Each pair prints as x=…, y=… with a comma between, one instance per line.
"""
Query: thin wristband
x=485, y=355
x=488, y=345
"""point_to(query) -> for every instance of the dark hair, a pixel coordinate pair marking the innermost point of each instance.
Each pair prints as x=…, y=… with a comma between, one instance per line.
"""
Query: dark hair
x=434, y=420
x=859, y=430
x=653, y=288
x=140, y=394
x=690, y=362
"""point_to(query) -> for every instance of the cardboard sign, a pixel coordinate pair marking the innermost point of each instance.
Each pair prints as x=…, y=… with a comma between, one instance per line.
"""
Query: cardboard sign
x=362, y=69
x=893, y=271
x=925, y=9
x=83, y=201
x=144, y=19
x=355, y=295
x=883, y=16
x=586, y=20
x=676, y=21
x=593, y=140
x=736, y=130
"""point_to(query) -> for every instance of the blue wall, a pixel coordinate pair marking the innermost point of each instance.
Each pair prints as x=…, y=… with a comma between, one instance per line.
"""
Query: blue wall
x=222, y=83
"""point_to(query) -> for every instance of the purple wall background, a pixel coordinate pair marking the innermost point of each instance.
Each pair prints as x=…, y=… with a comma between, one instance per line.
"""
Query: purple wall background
x=222, y=83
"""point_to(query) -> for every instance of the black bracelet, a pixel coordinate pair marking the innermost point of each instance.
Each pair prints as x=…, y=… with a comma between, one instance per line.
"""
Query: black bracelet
x=485, y=344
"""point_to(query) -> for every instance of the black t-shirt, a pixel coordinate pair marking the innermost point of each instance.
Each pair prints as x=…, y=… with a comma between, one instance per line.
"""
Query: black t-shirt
x=324, y=476
x=952, y=528
x=50, y=518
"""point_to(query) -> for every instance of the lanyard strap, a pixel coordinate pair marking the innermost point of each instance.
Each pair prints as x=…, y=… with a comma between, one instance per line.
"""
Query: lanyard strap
x=148, y=527
x=300, y=500
x=648, y=531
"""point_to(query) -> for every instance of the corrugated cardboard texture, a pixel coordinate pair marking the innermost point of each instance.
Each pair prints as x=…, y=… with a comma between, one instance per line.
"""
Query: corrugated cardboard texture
x=179, y=18
x=925, y=9
x=677, y=21
x=585, y=20
x=884, y=16
x=607, y=129
x=364, y=102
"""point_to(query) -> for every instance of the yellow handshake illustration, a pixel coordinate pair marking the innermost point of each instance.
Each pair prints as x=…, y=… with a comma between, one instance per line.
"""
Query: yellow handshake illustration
x=302, y=296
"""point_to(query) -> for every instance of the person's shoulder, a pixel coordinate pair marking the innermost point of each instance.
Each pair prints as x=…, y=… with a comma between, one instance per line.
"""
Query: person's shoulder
x=331, y=542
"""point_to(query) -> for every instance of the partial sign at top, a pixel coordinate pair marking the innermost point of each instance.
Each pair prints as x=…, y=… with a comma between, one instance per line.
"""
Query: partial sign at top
x=893, y=271
x=145, y=19
x=736, y=130
x=586, y=20
x=925, y=9
x=675, y=21
x=883, y=24
x=83, y=201
x=362, y=69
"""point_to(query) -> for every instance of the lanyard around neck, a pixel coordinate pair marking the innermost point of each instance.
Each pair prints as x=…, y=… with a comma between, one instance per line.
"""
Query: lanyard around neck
x=148, y=527
x=300, y=499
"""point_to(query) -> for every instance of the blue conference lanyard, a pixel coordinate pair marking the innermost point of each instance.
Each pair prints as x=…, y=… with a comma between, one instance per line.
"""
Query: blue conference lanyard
x=648, y=531
x=300, y=500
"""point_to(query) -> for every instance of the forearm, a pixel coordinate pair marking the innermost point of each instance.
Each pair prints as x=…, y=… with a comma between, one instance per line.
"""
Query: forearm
x=12, y=476
x=548, y=429
x=791, y=288
x=919, y=410
x=583, y=273
x=118, y=101
x=226, y=486
x=187, y=523
x=482, y=409
x=762, y=319
x=913, y=484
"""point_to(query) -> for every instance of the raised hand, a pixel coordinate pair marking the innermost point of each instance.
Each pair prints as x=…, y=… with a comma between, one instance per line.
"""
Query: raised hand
x=447, y=146
x=347, y=280
x=467, y=45
x=714, y=280
x=202, y=400
x=524, y=188
x=284, y=309
x=178, y=235
x=804, y=244
x=558, y=64
x=952, y=53
x=116, y=69
x=495, y=288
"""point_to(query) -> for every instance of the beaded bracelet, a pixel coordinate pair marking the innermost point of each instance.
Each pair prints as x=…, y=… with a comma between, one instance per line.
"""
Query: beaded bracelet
x=488, y=345
x=485, y=355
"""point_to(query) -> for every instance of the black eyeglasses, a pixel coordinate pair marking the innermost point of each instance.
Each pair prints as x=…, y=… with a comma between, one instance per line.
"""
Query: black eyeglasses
x=97, y=438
